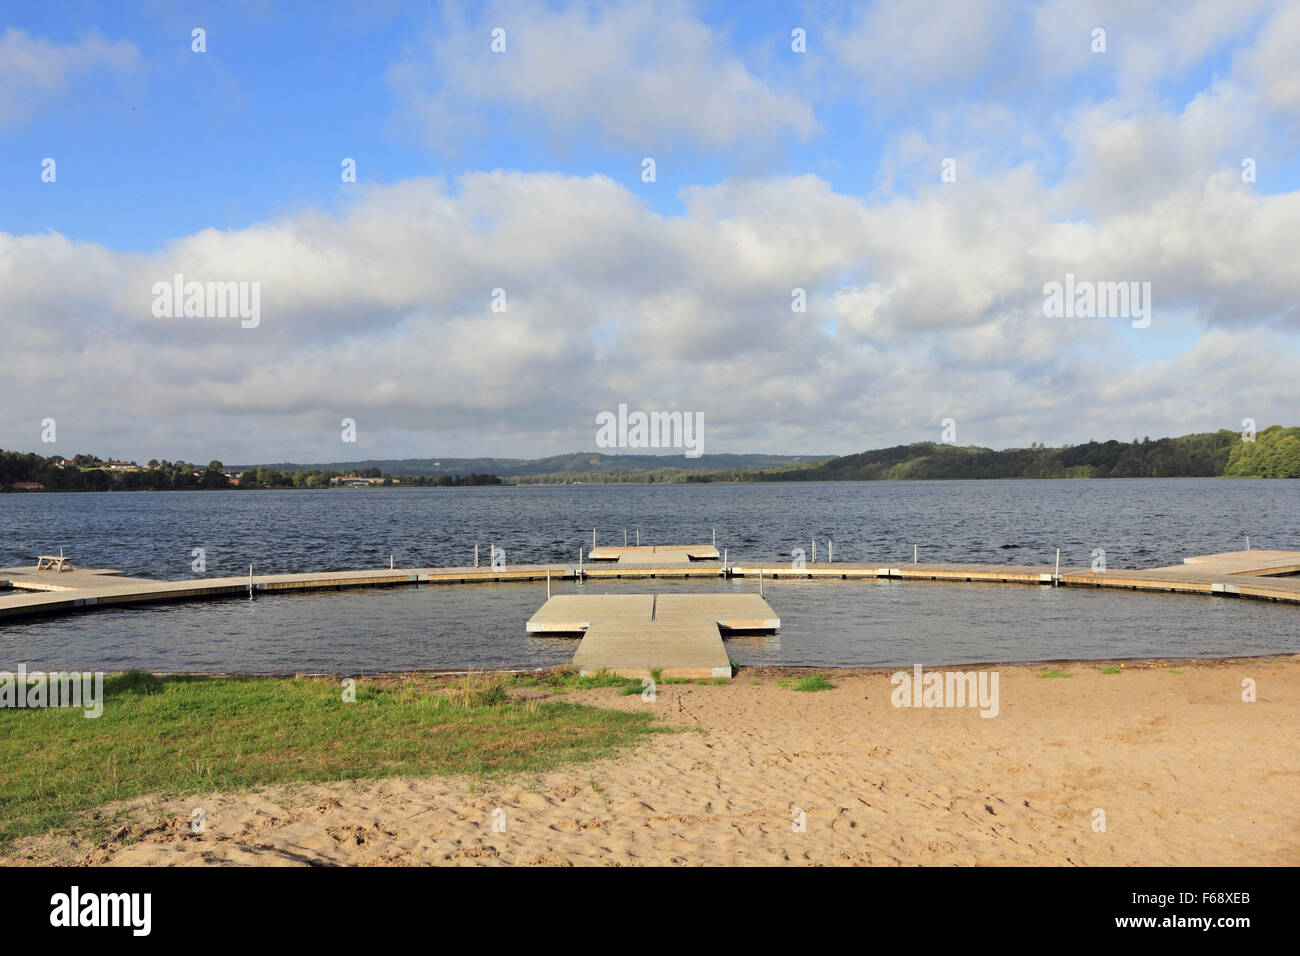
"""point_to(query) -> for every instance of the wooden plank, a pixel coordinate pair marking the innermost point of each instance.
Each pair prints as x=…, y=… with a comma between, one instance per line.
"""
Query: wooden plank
x=575, y=613
x=734, y=612
x=683, y=649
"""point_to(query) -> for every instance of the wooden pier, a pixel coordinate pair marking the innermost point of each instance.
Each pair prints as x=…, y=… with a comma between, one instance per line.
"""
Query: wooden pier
x=645, y=556
x=1265, y=575
x=635, y=635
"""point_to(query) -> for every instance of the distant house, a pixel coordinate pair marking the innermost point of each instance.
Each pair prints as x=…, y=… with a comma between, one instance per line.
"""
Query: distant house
x=355, y=481
x=66, y=463
x=27, y=486
x=120, y=465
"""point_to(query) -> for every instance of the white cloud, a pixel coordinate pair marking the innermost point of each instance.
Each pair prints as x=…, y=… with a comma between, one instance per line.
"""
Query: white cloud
x=381, y=313
x=641, y=75
x=33, y=69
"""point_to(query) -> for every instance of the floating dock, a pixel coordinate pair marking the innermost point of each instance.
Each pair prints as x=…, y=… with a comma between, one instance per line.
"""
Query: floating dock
x=1260, y=574
x=634, y=635
x=649, y=555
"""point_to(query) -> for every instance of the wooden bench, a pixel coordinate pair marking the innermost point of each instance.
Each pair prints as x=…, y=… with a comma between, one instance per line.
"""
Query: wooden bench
x=53, y=562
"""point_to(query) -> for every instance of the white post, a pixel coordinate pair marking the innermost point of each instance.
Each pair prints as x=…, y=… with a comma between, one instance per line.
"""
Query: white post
x=830, y=550
x=476, y=554
x=579, y=562
x=250, y=580
x=593, y=539
x=760, y=582
x=814, y=556
x=625, y=537
x=390, y=562
x=548, y=584
x=724, y=563
x=1057, y=579
x=914, y=554
x=638, y=537
x=715, y=539
x=1247, y=546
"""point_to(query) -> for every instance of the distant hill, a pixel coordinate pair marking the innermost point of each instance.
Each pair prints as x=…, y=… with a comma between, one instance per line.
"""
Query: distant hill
x=575, y=463
x=1207, y=454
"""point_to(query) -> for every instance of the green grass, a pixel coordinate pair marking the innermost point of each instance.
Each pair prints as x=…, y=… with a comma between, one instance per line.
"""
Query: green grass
x=1110, y=670
x=1054, y=673
x=812, y=683
x=567, y=679
x=181, y=735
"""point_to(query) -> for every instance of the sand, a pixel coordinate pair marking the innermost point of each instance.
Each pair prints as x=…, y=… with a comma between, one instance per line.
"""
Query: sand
x=1184, y=770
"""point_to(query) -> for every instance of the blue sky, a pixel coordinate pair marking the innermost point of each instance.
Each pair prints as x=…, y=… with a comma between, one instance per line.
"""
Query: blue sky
x=773, y=169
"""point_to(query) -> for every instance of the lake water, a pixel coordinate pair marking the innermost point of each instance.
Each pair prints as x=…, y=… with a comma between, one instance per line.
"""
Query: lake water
x=1139, y=523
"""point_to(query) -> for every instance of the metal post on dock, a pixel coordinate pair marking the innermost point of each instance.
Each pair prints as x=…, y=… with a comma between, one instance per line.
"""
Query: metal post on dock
x=476, y=554
x=914, y=554
x=814, y=543
x=625, y=537
x=830, y=550
x=726, y=571
x=1247, y=546
x=638, y=537
x=593, y=539
x=1056, y=578
x=760, y=582
x=390, y=562
x=250, y=582
x=548, y=584
x=715, y=539
x=579, y=562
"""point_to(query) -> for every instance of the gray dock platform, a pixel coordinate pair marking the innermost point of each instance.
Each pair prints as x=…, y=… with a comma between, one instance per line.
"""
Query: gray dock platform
x=633, y=635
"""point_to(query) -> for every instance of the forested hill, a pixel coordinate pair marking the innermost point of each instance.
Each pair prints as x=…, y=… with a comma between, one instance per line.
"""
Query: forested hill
x=1275, y=453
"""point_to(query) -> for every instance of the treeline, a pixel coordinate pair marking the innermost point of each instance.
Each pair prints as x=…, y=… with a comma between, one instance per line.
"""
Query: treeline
x=261, y=477
x=1274, y=453
x=88, y=473
x=1201, y=455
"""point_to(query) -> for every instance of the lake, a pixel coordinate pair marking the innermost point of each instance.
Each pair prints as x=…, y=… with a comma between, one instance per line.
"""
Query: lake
x=1137, y=522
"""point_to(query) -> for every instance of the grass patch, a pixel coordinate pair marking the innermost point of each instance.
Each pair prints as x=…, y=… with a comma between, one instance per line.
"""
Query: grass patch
x=812, y=683
x=1054, y=673
x=180, y=735
x=1110, y=670
x=566, y=678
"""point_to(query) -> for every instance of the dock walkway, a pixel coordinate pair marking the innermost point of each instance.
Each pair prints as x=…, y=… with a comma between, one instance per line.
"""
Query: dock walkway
x=1266, y=575
x=635, y=635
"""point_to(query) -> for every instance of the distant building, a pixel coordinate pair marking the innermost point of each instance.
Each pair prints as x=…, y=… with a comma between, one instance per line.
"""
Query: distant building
x=27, y=486
x=120, y=465
x=355, y=481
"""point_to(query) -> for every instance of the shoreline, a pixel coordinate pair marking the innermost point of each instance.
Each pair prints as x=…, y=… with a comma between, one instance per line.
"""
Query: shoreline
x=770, y=670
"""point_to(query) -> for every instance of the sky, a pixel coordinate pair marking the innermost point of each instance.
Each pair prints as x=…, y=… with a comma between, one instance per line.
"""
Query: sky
x=502, y=267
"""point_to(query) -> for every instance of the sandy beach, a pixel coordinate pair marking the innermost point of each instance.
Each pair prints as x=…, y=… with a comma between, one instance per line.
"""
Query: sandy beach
x=1185, y=771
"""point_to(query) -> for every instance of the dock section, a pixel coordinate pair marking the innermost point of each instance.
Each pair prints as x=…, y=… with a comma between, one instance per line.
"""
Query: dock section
x=1272, y=575
x=650, y=555
x=634, y=635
